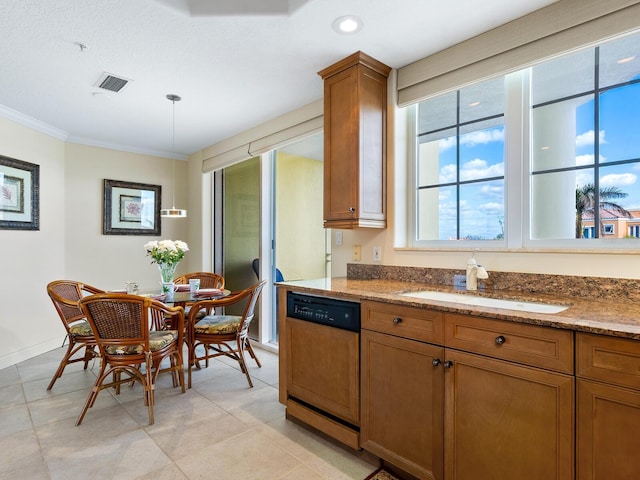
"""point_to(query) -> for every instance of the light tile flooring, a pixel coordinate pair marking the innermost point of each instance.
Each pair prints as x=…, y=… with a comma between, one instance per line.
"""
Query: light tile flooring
x=219, y=429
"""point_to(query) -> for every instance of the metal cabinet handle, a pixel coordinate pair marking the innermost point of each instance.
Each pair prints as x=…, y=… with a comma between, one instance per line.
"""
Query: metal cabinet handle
x=352, y=209
x=397, y=320
x=447, y=364
x=436, y=362
x=500, y=339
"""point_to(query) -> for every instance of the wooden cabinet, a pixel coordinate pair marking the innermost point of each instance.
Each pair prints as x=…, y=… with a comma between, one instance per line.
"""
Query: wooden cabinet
x=355, y=122
x=402, y=403
x=473, y=399
x=508, y=416
x=608, y=407
x=335, y=388
x=504, y=420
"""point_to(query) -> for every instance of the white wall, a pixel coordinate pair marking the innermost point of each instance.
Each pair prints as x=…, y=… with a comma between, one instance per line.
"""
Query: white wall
x=70, y=243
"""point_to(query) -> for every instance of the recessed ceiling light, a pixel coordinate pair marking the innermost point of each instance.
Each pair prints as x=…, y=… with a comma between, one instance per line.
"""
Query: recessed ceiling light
x=545, y=148
x=348, y=24
x=474, y=104
x=627, y=59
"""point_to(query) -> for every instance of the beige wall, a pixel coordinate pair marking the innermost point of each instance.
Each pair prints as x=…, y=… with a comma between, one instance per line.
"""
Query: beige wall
x=30, y=259
x=70, y=243
x=300, y=237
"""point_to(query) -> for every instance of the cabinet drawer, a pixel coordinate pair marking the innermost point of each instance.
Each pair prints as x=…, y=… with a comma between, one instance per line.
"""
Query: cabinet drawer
x=608, y=359
x=528, y=344
x=409, y=322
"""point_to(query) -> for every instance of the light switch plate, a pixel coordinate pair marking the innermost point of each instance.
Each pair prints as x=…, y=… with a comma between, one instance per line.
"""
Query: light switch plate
x=356, y=254
x=377, y=254
x=338, y=238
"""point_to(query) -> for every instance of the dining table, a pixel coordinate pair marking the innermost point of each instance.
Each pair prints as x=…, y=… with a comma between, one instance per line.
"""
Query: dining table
x=181, y=297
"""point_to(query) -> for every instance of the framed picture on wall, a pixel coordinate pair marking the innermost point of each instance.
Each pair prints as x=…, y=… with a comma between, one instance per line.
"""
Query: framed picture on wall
x=131, y=208
x=19, y=195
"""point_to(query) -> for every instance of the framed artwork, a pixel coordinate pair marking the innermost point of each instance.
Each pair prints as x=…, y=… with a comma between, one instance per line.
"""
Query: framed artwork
x=19, y=195
x=131, y=208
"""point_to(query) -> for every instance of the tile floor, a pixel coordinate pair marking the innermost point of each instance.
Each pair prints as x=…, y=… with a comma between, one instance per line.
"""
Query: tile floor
x=219, y=429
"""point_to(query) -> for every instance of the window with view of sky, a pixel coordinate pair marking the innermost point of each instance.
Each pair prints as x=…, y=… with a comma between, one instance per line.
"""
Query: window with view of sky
x=583, y=184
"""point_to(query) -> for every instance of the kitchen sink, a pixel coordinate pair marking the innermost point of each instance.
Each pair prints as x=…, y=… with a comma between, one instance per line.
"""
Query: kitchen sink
x=467, y=299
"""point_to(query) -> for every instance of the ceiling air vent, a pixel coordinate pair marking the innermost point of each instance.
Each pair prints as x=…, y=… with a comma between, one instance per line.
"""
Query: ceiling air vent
x=111, y=82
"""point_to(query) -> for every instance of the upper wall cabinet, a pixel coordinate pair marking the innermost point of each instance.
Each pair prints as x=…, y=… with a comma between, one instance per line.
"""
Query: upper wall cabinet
x=355, y=124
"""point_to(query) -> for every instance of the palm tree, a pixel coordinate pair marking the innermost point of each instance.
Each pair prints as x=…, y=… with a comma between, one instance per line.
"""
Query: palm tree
x=586, y=200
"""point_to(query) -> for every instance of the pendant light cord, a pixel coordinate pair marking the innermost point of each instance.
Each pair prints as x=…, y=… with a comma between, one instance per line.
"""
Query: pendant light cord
x=174, y=98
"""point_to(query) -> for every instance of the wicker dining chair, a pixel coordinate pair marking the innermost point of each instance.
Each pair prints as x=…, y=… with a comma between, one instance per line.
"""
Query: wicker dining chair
x=207, y=280
x=222, y=334
x=130, y=333
x=65, y=295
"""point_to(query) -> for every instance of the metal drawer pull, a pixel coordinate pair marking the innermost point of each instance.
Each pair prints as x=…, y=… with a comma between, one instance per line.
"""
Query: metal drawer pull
x=397, y=320
x=436, y=362
x=447, y=364
x=500, y=339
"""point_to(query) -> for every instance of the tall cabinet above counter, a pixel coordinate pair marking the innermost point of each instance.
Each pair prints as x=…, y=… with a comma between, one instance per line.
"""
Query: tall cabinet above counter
x=355, y=142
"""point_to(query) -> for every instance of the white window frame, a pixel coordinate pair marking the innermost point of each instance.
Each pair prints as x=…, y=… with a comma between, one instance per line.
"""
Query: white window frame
x=517, y=185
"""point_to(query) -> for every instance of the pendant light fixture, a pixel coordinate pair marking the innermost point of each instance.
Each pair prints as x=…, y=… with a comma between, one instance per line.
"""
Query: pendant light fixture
x=173, y=212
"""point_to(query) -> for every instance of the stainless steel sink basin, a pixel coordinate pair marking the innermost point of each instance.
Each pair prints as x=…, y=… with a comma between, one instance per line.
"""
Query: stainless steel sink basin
x=466, y=299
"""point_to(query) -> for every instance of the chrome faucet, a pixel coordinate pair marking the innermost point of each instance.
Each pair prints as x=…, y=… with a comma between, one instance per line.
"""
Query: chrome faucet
x=474, y=272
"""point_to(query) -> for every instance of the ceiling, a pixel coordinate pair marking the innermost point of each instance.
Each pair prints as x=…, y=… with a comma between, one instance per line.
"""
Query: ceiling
x=235, y=63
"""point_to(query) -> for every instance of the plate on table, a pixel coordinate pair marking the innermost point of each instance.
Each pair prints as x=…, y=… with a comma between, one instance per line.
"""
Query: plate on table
x=208, y=292
x=154, y=296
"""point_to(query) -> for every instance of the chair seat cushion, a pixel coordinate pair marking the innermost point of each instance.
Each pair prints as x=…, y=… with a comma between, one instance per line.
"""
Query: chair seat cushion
x=81, y=329
x=218, y=324
x=200, y=313
x=157, y=341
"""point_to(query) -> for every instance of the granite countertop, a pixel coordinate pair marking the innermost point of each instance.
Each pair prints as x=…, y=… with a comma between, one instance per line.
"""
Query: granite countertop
x=616, y=317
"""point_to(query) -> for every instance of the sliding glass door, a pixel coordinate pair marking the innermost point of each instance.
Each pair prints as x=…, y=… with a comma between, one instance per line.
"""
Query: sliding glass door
x=269, y=208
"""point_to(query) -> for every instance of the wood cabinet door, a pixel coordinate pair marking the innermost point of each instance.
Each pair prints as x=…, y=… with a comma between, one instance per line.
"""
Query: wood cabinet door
x=341, y=146
x=507, y=421
x=608, y=422
x=402, y=403
x=323, y=369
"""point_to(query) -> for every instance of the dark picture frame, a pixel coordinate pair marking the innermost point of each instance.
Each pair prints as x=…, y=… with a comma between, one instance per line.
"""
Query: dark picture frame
x=19, y=194
x=131, y=208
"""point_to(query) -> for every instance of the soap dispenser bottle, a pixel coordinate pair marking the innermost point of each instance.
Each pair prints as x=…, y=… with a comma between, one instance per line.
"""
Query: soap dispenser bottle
x=472, y=268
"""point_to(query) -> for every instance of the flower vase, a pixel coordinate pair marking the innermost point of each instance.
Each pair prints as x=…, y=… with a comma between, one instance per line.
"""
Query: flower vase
x=167, y=271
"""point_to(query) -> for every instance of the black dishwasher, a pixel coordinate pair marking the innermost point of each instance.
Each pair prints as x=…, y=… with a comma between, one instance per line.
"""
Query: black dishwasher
x=321, y=351
x=326, y=311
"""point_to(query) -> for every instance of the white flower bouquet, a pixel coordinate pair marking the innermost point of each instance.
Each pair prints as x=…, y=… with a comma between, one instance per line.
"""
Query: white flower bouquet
x=167, y=254
x=166, y=251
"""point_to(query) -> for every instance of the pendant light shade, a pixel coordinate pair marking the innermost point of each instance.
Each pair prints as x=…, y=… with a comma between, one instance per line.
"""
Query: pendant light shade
x=173, y=212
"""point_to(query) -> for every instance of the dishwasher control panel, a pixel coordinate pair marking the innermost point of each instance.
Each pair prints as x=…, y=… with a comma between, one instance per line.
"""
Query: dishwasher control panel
x=323, y=310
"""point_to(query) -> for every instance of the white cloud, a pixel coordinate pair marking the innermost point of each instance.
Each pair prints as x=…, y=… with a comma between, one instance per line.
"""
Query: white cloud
x=472, y=139
x=587, y=138
x=447, y=174
x=447, y=143
x=491, y=208
x=478, y=168
x=482, y=137
x=618, y=180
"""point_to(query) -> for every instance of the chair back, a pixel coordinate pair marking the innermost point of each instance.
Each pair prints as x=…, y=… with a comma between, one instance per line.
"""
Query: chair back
x=123, y=320
x=249, y=295
x=252, y=293
x=65, y=295
x=207, y=279
x=256, y=268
